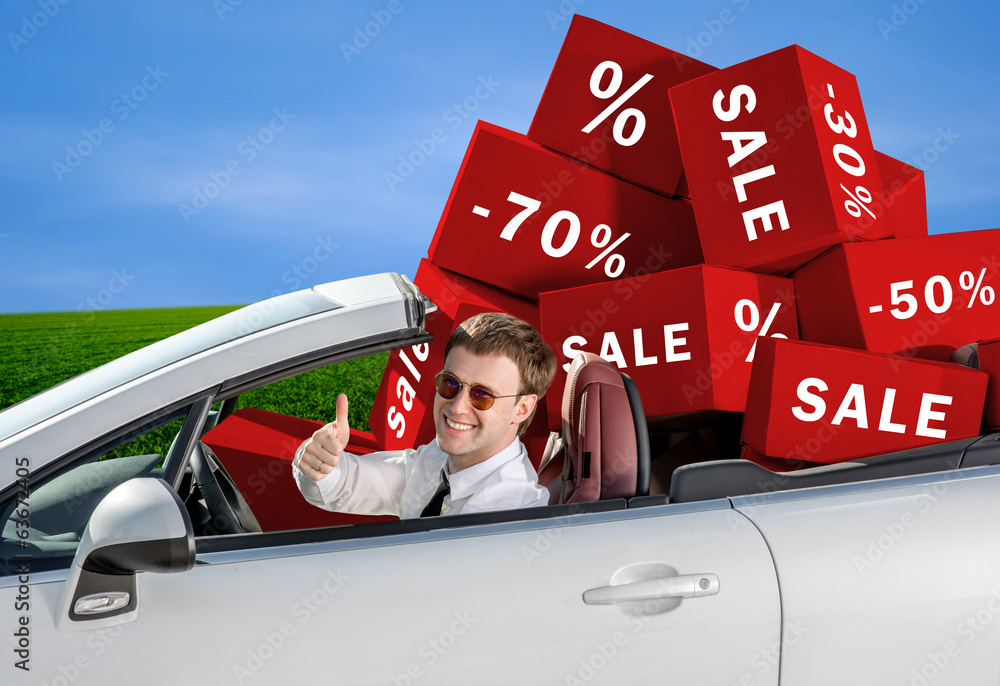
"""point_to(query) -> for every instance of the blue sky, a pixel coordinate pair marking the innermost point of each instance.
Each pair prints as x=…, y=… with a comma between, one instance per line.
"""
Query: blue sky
x=155, y=100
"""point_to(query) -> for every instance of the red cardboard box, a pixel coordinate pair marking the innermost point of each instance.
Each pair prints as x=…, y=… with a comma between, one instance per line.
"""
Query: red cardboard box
x=687, y=337
x=682, y=188
x=779, y=161
x=606, y=104
x=904, y=197
x=257, y=449
x=402, y=414
x=842, y=404
x=989, y=362
x=526, y=219
x=921, y=297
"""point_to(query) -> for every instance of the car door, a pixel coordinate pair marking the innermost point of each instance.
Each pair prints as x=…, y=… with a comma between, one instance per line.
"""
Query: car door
x=894, y=581
x=471, y=600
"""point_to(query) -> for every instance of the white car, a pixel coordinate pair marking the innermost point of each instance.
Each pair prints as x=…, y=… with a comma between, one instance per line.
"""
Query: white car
x=884, y=571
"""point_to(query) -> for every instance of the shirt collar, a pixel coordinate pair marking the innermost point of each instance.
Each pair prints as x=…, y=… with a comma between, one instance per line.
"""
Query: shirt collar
x=467, y=481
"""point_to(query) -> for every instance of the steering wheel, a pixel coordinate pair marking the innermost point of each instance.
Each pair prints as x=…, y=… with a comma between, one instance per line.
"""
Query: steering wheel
x=230, y=512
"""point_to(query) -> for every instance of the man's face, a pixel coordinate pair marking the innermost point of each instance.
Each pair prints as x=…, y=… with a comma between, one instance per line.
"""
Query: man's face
x=469, y=435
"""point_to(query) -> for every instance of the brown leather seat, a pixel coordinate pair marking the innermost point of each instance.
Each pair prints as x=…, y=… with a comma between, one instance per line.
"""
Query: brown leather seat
x=605, y=451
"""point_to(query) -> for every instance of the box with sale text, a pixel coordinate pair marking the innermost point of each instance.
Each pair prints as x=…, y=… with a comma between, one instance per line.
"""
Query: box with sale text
x=920, y=297
x=527, y=220
x=606, y=104
x=779, y=161
x=687, y=336
x=836, y=404
x=989, y=362
x=402, y=414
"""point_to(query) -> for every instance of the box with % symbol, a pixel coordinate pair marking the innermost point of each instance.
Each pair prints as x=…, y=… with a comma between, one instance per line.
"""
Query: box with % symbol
x=526, y=219
x=779, y=161
x=921, y=297
x=688, y=337
x=832, y=404
x=606, y=104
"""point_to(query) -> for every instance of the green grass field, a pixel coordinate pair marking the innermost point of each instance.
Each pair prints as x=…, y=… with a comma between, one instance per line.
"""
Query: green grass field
x=313, y=395
x=40, y=350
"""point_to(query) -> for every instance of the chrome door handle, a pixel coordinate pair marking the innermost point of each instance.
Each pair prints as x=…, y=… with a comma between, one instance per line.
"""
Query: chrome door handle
x=688, y=586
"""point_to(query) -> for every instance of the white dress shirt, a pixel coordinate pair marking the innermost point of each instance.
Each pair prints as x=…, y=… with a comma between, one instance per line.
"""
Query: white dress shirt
x=401, y=482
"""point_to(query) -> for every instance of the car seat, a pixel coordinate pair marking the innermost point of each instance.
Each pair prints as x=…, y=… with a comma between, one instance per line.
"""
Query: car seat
x=604, y=445
x=967, y=356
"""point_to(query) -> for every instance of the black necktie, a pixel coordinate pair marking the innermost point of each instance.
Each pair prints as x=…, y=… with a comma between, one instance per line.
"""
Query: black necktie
x=433, y=508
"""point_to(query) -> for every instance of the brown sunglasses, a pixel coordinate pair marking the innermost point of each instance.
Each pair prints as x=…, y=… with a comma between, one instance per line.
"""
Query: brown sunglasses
x=448, y=386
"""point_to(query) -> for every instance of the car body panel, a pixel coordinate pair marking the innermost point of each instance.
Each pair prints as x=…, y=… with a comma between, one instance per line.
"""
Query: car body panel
x=502, y=601
x=891, y=582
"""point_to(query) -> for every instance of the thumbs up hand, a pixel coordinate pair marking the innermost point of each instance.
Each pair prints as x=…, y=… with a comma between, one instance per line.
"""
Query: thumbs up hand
x=322, y=451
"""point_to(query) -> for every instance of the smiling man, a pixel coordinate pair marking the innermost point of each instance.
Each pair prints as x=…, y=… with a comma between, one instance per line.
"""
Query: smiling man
x=496, y=368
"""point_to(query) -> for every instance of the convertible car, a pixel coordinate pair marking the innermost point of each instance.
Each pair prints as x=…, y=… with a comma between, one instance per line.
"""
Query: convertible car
x=129, y=555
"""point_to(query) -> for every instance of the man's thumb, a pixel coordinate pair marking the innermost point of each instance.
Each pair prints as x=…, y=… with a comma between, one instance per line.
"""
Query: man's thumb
x=343, y=423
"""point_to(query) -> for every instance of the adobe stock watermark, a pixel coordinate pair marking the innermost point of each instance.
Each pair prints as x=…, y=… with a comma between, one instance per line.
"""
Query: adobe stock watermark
x=296, y=276
x=603, y=653
x=365, y=33
x=122, y=106
x=434, y=648
x=98, y=643
x=276, y=470
x=549, y=190
x=878, y=547
x=119, y=281
x=21, y=562
x=224, y=7
x=546, y=537
x=698, y=43
x=927, y=328
x=738, y=353
x=968, y=630
x=563, y=13
x=802, y=456
x=768, y=658
x=593, y=320
x=248, y=149
x=453, y=117
x=30, y=26
x=756, y=150
x=900, y=14
x=880, y=204
x=942, y=143
x=271, y=642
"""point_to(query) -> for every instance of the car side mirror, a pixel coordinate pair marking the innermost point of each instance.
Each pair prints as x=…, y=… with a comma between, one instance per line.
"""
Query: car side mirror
x=140, y=526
